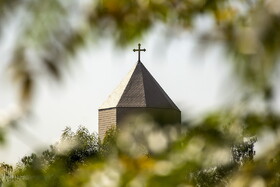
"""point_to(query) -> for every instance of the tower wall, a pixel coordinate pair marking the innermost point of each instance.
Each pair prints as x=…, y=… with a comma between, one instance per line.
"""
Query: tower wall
x=116, y=117
x=159, y=115
x=107, y=118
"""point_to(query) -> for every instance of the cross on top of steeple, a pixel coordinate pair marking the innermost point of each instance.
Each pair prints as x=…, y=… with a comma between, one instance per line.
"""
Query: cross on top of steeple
x=139, y=50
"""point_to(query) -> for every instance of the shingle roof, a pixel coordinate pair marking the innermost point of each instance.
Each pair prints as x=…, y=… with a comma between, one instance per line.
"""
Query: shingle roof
x=139, y=89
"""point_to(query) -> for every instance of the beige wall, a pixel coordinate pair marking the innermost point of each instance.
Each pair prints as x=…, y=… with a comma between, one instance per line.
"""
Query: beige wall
x=106, y=120
x=113, y=117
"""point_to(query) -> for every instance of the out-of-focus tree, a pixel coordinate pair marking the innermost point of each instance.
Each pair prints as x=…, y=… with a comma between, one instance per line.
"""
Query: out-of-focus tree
x=6, y=172
x=120, y=158
x=73, y=148
x=244, y=151
x=28, y=161
x=76, y=148
x=107, y=146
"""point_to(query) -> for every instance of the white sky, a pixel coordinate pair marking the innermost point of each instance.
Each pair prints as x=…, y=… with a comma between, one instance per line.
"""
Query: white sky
x=193, y=82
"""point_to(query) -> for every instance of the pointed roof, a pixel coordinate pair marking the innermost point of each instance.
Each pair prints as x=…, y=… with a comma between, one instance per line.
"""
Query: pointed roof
x=139, y=89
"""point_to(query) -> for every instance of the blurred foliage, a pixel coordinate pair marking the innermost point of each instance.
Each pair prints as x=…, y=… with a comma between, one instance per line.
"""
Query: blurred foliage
x=244, y=152
x=79, y=158
x=5, y=172
x=217, y=150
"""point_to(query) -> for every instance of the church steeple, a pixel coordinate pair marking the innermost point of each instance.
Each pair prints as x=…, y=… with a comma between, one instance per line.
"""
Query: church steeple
x=138, y=93
x=139, y=89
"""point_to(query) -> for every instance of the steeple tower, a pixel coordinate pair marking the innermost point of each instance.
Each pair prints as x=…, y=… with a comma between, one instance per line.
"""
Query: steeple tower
x=138, y=93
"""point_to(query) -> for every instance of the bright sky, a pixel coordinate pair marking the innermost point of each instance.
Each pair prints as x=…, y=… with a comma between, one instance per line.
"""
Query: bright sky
x=196, y=83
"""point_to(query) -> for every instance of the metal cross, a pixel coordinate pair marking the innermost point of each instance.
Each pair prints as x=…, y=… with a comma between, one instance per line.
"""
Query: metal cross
x=139, y=50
